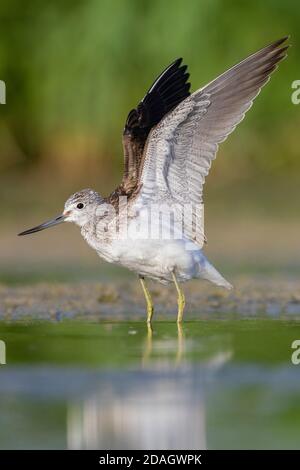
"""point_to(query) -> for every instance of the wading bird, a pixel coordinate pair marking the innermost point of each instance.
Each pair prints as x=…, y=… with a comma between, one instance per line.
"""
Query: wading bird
x=169, y=143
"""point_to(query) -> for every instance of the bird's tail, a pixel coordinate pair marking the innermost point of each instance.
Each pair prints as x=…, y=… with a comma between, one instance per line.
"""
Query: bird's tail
x=208, y=271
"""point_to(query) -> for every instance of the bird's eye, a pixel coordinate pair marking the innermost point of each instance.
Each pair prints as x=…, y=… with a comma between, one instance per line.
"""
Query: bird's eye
x=80, y=205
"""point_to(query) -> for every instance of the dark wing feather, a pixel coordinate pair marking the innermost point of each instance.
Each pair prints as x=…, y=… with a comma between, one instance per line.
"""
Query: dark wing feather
x=168, y=90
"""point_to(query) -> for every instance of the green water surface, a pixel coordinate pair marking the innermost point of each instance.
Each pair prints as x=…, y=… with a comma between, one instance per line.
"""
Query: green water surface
x=226, y=383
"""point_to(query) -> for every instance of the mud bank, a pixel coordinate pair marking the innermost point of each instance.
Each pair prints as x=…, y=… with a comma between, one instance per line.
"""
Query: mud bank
x=124, y=300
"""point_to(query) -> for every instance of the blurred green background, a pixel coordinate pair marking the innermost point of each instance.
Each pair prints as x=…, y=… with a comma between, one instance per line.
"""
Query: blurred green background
x=73, y=70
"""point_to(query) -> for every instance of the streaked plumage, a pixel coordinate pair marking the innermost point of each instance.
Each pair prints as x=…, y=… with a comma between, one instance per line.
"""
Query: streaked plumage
x=169, y=143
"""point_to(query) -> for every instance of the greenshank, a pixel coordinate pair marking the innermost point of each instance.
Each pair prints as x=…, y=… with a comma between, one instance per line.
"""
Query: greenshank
x=152, y=223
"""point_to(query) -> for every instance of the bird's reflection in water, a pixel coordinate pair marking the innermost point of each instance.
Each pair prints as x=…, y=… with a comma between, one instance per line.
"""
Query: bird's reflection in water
x=160, y=405
x=148, y=345
x=172, y=345
x=180, y=342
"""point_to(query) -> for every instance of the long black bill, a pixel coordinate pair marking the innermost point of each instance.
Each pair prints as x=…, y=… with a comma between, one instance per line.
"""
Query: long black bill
x=49, y=223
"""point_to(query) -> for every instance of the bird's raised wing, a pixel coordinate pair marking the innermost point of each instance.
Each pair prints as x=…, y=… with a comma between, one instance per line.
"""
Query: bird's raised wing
x=180, y=149
x=168, y=90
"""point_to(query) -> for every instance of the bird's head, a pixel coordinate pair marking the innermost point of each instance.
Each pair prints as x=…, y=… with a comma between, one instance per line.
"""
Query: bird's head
x=79, y=208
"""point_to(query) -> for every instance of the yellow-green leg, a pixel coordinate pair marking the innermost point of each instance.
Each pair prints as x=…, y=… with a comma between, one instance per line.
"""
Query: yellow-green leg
x=180, y=300
x=148, y=298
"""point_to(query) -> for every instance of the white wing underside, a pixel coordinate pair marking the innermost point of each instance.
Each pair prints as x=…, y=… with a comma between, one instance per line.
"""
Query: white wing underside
x=180, y=149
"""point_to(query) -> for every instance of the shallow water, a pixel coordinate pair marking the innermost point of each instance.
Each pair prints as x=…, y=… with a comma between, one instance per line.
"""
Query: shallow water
x=210, y=384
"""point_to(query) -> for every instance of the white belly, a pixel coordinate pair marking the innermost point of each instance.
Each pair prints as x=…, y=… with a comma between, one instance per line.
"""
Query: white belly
x=154, y=258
